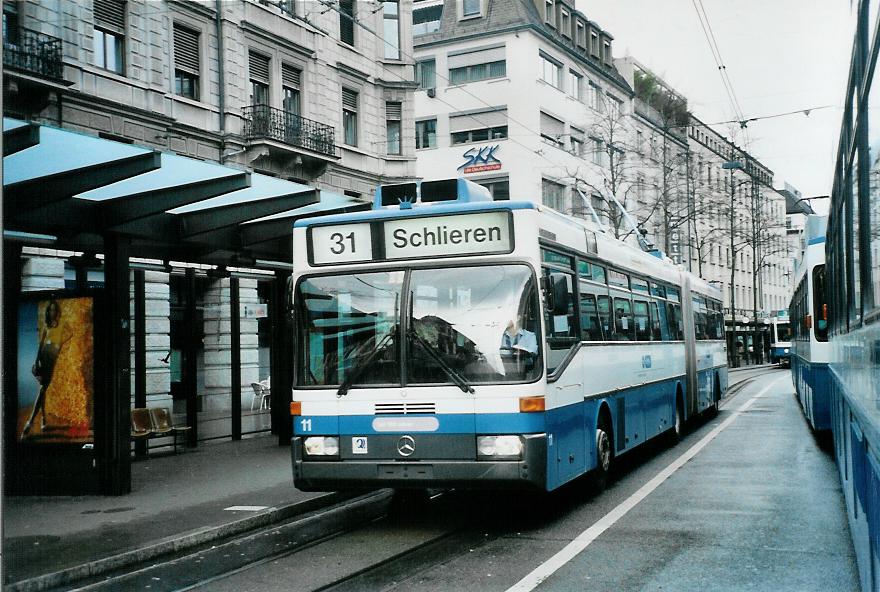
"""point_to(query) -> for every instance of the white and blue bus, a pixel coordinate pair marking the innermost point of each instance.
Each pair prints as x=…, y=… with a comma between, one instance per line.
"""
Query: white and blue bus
x=810, y=354
x=446, y=340
x=780, y=338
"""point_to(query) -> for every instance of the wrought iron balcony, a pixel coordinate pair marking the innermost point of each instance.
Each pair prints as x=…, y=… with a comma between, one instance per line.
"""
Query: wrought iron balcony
x=34, y=53
x=263, y=122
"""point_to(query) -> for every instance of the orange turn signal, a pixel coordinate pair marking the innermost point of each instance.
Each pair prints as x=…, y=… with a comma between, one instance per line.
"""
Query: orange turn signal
x=824, y=312
x=296, y=407
x=531, y=404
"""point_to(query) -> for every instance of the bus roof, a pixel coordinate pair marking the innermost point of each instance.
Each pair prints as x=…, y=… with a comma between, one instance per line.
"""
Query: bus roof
x=415, y=212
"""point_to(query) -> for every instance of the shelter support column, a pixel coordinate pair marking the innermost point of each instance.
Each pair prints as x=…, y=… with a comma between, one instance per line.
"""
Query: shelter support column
x=282, y=358
x=112, y=406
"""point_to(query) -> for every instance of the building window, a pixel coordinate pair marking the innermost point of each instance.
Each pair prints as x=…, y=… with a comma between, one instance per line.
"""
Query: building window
x=596, y=100
x=427, y=20
x=576, y=139
x=552, y=130
x=594, y=44
x=616, y=104
x=290, y=84
x=346, y=21
x=553, y=195
x=551, y=72
x=391, y=18
x=598, y=151
x=259, y=78
x=479, y=135
x=426, y=74
x=11, y=31
x=549, y=13
x=606, y=52
x=393, y=116
x=186, y=62
x=565, y=23
x=426, y=134
x=349, y=117
x=470, y=8
x=288, y=7
x=478, y=72
x=109, y=37
x=581, y=35
x=575, y=84
x=500, y=190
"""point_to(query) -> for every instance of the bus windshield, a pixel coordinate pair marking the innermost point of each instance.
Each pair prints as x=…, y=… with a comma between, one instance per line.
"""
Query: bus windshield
x=783, y=332
x=462, y=325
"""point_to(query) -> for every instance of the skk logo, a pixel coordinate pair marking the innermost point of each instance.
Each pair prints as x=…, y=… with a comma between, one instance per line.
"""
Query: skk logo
x=482, y=159
x=646, y=361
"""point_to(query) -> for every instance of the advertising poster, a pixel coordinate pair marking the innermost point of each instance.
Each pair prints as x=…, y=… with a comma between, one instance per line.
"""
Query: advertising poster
x=56, y=370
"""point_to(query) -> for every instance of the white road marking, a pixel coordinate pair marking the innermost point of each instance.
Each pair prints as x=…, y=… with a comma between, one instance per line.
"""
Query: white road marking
x=245, y=508
x=583, y=540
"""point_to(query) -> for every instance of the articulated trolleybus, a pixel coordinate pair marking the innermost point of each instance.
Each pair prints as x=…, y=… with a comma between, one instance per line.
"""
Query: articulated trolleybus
x=811, y=352
x=446, y=340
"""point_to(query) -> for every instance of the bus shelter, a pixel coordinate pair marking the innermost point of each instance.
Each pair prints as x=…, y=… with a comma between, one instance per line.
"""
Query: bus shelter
x=74, y=192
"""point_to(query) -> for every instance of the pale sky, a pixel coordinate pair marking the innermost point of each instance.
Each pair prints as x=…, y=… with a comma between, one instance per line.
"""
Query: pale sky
x=781, y=56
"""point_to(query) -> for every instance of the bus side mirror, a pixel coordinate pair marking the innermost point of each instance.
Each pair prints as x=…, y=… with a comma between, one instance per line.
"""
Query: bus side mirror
x=556, y=289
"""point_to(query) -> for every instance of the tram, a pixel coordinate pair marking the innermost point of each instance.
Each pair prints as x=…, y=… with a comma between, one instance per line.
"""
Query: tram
x=810, y=353
x=780, y=339
x=446, y=340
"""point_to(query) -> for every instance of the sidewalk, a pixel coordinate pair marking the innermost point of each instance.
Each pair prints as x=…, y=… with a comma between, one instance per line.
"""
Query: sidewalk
x=175, y=501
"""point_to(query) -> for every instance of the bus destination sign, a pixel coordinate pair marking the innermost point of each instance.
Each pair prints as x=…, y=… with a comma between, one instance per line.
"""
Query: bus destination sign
x=412, y=238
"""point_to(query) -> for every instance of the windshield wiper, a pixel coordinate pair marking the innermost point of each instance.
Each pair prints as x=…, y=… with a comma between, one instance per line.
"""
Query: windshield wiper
x=365, y=363
x=459, y=380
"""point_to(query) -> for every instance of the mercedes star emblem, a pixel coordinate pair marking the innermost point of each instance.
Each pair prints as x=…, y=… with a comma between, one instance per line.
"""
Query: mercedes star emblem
x=406, y=445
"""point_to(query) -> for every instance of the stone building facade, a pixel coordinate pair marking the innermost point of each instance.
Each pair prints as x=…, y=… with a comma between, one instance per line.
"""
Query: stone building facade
x=296, y=89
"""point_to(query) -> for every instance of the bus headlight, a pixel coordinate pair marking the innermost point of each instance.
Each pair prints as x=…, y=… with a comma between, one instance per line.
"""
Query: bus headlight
x=321, y=446
x=499, y=446
x=786, y=350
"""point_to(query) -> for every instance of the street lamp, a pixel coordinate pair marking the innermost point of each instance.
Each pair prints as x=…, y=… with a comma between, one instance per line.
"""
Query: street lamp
x=733, y=165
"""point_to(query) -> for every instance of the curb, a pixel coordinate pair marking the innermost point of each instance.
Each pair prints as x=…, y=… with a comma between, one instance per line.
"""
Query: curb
x=175, y=544
x=753, y=367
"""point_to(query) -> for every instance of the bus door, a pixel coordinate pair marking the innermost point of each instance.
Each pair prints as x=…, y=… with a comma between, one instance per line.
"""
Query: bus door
x=687, y=311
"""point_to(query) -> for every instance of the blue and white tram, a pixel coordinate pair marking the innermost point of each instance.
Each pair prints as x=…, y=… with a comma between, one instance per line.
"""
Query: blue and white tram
x=780, y=339
x=809, y=314
x=455, y=341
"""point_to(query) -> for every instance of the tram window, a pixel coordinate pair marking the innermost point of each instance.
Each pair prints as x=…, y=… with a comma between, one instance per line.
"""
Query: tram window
x=642, y=321
x=591, y=326
x=616, y=278
x=673, y=318
x=640, y=286
x=700, y=331
x=556, y=258
x=623, y=320
x=657, y=325
x=603, y=304
x=673, y=294
x=658, y=290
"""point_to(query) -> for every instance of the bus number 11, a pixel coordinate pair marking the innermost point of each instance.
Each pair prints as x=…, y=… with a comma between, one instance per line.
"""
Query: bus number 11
x=338, y=247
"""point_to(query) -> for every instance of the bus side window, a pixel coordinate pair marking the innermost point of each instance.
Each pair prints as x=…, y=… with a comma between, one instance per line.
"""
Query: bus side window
x=604, y=305
x=642, y=321
x=623, y=320
x=657, y=333
x=591, y=327
x=673, y=318
x=562, y=329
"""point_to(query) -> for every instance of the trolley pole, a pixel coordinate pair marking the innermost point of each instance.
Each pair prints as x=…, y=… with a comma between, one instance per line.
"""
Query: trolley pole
x=733, y=165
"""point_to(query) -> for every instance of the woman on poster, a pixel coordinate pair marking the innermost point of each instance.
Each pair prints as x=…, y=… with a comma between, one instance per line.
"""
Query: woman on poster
x=52, y=340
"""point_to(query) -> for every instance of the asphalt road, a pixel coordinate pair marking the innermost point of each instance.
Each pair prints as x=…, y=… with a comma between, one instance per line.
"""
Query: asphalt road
x=746, y=501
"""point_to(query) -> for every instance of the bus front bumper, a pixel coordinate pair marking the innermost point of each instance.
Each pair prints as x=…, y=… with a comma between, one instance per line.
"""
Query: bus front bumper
x=331, y=475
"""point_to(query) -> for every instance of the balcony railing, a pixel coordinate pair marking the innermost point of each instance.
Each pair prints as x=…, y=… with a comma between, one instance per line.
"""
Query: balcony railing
x=34, y=53
x=265, y=122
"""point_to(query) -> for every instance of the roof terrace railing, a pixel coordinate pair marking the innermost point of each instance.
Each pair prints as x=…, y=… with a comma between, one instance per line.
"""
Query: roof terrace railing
x=265, y=122
x=34, y=53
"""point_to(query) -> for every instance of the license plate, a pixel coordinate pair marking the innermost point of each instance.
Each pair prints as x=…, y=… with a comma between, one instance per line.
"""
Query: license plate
x=359, y=445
